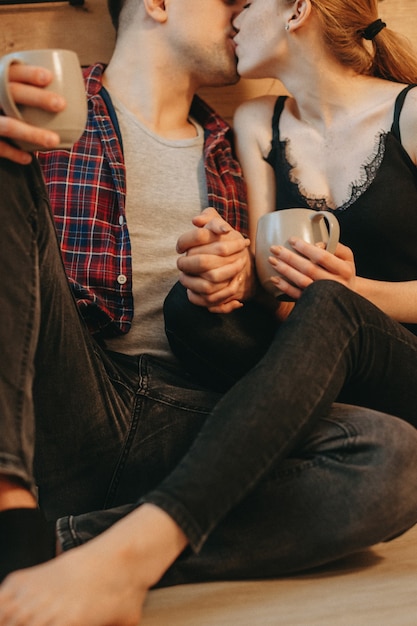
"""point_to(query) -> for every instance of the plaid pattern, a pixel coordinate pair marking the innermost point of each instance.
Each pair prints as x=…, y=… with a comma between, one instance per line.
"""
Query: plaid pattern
x=87, y=188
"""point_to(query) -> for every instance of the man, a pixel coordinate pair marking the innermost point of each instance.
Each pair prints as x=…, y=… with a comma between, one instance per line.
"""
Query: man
x=114, y=422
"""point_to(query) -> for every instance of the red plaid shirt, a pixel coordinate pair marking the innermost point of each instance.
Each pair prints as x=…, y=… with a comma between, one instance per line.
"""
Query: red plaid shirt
x=87, y=188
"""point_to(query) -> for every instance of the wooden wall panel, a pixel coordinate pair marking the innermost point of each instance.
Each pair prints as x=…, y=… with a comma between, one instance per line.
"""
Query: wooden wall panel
x=88, y=31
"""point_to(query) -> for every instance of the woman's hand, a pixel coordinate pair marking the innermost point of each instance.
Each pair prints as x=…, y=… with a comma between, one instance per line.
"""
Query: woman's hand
x=27, y=88
x=313, y=262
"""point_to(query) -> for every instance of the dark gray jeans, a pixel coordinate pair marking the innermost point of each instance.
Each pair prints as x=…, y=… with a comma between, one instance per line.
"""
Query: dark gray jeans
x=269, y=479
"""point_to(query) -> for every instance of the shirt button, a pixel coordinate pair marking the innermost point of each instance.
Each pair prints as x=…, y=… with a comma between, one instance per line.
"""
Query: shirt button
x=121, y=220
x=121, y=279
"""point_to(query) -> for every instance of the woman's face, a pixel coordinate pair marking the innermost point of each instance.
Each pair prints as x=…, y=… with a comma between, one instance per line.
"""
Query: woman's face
x=260, y=38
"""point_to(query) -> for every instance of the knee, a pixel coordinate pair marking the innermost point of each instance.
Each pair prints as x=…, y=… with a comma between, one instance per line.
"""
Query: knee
x=335, y=300
x=395, y=474
x=324, y=290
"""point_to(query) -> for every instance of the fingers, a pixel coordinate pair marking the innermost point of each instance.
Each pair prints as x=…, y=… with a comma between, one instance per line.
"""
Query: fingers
x=212, y=246
x=209, y=218
x=319, y=255
x=292, y=269
x=27, y=88
x=202, y=259
x=214, y=255
x=10, y=152
x=223, y=301
x=215, y=278
x=297, y=269
x=195, y=238
x=226, y=307
x=33, y=96
x=30, y=74
x=311, y=263
x=17, y=130
x=218, y=287
x=286, y=287
x=218, y=232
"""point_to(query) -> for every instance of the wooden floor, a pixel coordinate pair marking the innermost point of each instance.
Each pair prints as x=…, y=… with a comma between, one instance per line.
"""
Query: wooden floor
x=373, y=588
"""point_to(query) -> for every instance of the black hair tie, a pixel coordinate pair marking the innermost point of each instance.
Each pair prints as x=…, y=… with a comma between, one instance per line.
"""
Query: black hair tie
x=371, y=31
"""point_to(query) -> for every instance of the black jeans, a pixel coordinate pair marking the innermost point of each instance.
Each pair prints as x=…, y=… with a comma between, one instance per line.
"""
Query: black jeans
x=258, y=481
x=280, y=478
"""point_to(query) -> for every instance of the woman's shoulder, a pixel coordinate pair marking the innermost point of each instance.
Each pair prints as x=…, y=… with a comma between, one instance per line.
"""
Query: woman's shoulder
x=409, y=110
x=252, y=123
x=408, y=124
x=260, y=108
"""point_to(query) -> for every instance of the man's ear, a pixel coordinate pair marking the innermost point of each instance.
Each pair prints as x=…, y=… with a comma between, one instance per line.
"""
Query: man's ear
x=156, y=9
x=300, y=11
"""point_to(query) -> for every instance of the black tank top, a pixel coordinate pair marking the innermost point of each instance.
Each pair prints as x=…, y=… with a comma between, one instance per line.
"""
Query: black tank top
x=379, y=221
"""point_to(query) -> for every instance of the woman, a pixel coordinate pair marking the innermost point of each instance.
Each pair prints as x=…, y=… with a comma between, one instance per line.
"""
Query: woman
x=345, y=141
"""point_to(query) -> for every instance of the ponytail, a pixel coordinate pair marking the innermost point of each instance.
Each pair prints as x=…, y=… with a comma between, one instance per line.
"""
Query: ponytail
x=393, y=58
x=358, y=39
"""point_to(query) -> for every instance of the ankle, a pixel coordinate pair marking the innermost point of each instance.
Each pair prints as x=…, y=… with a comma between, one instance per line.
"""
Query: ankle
x=150, y=537
x=14, y=496
x=26, y=539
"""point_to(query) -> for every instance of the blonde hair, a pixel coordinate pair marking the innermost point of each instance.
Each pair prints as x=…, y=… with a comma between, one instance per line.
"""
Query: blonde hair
x=388, y=55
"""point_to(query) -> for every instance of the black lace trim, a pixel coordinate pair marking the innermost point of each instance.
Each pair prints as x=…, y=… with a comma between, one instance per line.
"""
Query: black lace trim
x=357, y=188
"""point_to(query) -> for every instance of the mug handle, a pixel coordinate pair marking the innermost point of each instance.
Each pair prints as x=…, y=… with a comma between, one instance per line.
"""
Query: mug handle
x=6, y=101
x=332, y=226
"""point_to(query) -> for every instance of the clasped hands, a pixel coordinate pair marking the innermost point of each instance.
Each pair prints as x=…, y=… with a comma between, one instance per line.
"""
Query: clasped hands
x=216, y=265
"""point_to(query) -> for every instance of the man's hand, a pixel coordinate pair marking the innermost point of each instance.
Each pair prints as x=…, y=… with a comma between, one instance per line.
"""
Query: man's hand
x=216, y=266
x=26, y=86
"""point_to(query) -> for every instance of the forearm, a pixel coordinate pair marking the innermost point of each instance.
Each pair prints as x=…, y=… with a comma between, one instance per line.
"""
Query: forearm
x=396, y=299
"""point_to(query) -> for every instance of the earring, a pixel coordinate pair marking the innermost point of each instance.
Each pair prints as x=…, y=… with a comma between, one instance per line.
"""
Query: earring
x=287, y=27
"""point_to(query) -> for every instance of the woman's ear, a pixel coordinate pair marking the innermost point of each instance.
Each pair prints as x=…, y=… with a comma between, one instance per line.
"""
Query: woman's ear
x=300, y=11
x=156, y=9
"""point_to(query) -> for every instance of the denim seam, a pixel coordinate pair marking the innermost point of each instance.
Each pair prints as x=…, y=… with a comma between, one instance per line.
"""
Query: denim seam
x=167, y=401
x=25, y=350
x=120, y=465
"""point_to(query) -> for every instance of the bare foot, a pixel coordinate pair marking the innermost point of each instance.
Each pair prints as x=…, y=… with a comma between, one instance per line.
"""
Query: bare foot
x=102, y=583
x=74, y=589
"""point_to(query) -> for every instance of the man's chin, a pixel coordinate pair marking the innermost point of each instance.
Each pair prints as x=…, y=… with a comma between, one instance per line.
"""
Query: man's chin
x=230, y=79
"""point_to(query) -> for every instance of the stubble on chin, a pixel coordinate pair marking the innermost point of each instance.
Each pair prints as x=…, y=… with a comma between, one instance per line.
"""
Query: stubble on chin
x=218, y=68
x=222, y=76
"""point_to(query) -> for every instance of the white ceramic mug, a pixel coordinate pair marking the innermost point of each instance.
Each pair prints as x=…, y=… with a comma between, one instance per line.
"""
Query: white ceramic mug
x=278, y=227
x=68, y=82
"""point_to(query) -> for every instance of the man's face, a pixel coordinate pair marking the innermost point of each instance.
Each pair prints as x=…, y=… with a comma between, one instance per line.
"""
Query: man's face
x=201, y=36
